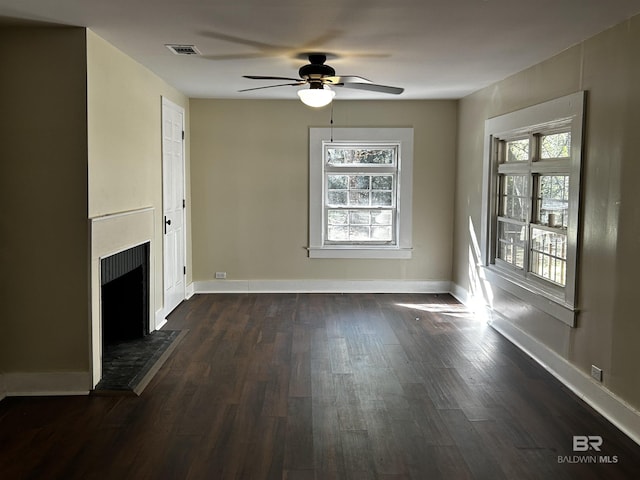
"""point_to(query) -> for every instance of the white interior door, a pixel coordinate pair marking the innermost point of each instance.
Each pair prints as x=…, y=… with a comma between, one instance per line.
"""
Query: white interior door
x=173, y=204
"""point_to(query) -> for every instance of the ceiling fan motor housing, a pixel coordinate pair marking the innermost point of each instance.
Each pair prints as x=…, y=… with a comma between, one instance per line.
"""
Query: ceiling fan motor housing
x=316, y=69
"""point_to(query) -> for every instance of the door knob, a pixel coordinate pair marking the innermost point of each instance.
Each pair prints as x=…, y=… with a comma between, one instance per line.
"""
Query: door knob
x=167, y=221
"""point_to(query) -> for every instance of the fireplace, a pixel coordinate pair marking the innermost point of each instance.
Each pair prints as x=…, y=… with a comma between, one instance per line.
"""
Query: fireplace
x=124, y=280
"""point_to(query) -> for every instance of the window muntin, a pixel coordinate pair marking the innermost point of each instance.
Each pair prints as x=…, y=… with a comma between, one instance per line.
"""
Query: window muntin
x=369, y=172
x=546, y=277
x=532, y=193
x=549, y=255
x=356, y=155
x=552, y=201
x=360, y=225
x=514, y=197
x=361, y=193
x=512, y=243
x=360, y=190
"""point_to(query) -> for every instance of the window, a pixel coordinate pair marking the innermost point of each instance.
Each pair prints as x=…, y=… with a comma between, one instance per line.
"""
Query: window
x=360, y=192
x=531, y=212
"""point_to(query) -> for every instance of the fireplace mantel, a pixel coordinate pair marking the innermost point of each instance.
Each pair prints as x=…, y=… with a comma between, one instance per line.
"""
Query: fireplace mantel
x=111, y=234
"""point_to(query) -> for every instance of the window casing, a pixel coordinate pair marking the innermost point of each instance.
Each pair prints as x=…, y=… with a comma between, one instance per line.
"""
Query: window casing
x=360, y=192
x=531, y=212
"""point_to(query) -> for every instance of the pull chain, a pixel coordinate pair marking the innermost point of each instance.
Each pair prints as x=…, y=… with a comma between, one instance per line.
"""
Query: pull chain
x=331, y=122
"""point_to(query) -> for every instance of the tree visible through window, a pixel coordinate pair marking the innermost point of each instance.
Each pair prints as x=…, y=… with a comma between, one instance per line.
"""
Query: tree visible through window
x=532, y=195
x=360, y=203
x=534, y=206
x=360, y=188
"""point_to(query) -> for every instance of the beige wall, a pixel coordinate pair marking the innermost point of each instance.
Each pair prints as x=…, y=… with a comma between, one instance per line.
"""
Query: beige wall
x=125, y=144
x=608, y=333
x=81, y=138
x=43, y=191
x=250, y=188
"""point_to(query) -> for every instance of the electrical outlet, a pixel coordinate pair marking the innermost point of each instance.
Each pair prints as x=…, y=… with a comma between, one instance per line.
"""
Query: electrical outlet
x=221, y=275
x=596, y=373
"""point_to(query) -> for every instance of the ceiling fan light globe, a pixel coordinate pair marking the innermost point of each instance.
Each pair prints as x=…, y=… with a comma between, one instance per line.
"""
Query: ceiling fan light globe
x=316, y=97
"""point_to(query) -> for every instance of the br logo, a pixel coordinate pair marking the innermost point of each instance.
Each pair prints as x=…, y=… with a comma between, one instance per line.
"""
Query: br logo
x=583, y=443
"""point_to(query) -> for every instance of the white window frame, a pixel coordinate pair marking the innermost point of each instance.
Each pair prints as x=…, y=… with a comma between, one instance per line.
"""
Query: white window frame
x=567, y=114
x=319, y=138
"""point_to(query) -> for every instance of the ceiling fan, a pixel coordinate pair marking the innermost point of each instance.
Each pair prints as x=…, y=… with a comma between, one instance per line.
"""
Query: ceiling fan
x=320, y=78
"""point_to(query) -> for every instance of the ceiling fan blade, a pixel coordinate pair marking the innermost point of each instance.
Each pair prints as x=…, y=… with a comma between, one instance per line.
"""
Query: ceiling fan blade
x=272, y=86
x=373, y=87
x=345, y=79
x=265, y=47
x=314, y=44
x=261, y=77
x=234, y=56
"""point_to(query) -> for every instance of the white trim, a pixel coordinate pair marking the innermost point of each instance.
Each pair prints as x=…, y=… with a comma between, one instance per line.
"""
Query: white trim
x=461, y=294
x=111, y=216
x=191, y=290
x=526, y=121
x=322, y=286
x=317, y=138
x=111, y=234
x=360, y=252
x=47, y=383
x=561, y=311
x=169, y=105
x=625, y=417
x=161, y=319
x=601, y=399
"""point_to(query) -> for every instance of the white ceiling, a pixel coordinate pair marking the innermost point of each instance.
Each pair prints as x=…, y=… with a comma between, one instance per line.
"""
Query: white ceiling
x=431, y=48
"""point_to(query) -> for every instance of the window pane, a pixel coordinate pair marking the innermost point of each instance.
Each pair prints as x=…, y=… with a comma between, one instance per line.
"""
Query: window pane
x=549, y=255
x=382, y=199
x=360, y=156
x=337, y=198
x=360, y=190
x=360, y=217
x=511, y=243
x=518, y=150
x=381, y=234
x=553, y=200
x=382, y=217
x=557, y=145
x=359, y=198
x=337, y=182
x=337, y=217
x=337, y=234
x=514, y=201
x=359, y=182
x=360, y=225
x=359, y=233
x=382, y=182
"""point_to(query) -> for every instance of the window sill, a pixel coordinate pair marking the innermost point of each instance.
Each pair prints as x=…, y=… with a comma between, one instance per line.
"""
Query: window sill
x=360, y=252
x=534, y=295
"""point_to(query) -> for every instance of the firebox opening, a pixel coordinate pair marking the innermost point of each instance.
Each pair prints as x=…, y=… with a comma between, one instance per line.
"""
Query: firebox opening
x=123, y=308
x=125, y=295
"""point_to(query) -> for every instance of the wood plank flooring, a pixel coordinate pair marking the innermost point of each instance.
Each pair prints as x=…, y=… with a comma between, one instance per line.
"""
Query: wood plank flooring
x=321, y=386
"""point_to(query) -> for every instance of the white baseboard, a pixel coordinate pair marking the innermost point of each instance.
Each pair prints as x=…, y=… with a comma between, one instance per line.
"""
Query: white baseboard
x=461, y=294
x=477, y=306
x=46, y=383
x=625, y=417
x=321, y=286
x=190, y=291
x=160, y=319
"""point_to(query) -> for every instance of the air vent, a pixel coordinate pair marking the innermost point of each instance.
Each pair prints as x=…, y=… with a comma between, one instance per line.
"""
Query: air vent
x=183, y=49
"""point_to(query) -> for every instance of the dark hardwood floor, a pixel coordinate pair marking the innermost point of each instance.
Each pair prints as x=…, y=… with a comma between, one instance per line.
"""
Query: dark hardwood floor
x=322, y=386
